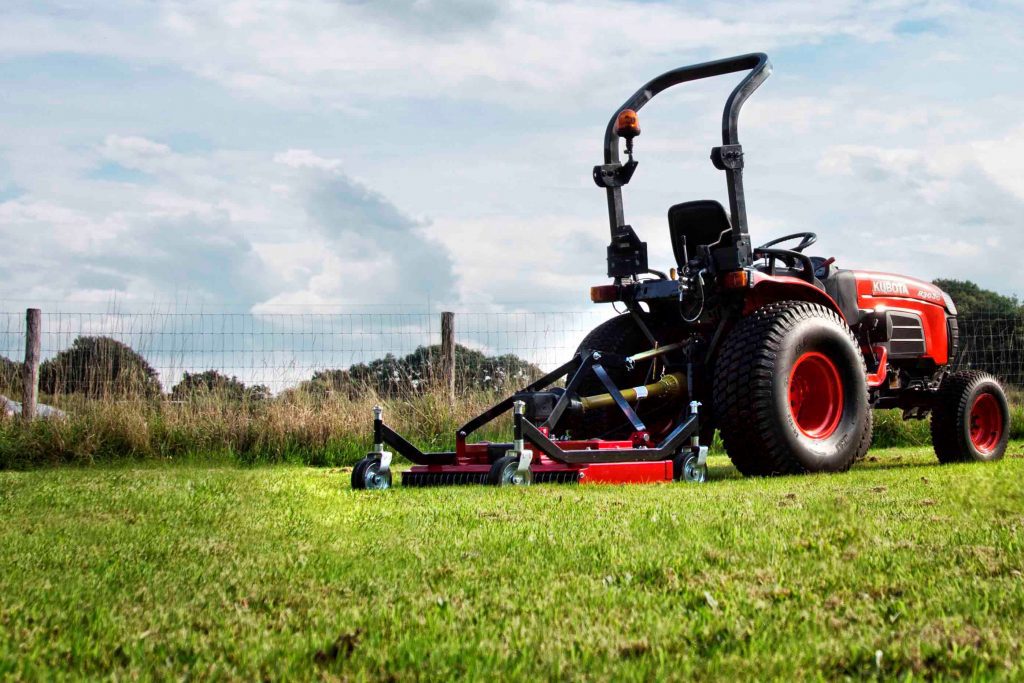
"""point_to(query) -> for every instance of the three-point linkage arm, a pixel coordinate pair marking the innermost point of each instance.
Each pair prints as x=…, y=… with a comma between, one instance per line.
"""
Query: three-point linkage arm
x=612, y=175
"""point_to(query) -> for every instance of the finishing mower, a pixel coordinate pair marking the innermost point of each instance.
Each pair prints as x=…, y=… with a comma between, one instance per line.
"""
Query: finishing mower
x=784, y=353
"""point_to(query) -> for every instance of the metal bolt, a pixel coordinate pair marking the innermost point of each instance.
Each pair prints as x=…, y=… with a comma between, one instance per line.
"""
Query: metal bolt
x=596, y=355
x=518, y=407
x=378, y=413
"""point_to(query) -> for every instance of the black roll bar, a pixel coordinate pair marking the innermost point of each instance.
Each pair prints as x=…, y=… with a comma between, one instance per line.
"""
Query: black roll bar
x=728, y=158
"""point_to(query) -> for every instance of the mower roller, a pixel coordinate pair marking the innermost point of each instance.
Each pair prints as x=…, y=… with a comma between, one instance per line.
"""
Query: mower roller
x=783, y=353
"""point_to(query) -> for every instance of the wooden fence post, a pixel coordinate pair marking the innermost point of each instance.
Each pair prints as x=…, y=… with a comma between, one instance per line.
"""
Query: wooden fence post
x=30, y=371
x=448, y=354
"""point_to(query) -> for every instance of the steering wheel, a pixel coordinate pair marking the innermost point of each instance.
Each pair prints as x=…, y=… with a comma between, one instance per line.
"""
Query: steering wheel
x=808, y=238
x=793, y=258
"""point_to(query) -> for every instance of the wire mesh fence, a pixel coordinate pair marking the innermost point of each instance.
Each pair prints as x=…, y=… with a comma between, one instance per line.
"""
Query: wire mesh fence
x=155, y=352
x=158, y=353
x=994, y=342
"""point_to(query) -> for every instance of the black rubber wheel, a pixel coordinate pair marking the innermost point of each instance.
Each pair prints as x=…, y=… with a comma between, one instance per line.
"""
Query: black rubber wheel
x=621, y=335
x=971, y=418
x=366, y=474
x=502, y=471
x=685, y=468
x=865, y=437
x=790, y=392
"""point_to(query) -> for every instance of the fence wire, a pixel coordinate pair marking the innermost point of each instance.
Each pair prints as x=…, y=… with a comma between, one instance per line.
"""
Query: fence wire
x=993, y=343
x=282, y=351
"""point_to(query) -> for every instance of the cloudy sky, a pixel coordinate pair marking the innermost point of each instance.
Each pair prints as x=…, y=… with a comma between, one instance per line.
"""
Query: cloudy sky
x=274, y=155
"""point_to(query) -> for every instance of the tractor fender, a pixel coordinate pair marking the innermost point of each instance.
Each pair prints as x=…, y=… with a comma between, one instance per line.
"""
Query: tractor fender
x=766, y=289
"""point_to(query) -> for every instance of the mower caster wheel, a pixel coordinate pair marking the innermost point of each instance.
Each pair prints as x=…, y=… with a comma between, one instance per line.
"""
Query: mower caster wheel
x=686, y=467
x=504, y=472
x=367, y=475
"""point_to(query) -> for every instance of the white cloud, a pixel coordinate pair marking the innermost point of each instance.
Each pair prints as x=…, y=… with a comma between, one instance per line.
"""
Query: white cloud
x=304, y=158
x=945, y=212
x=490, y=212
x=347, y=53
x=216, y=227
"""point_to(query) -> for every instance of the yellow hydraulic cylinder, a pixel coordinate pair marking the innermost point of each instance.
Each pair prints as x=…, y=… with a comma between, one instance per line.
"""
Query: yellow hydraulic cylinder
x=669, y=385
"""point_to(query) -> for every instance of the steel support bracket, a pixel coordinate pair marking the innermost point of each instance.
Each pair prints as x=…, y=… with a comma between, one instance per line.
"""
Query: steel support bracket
x=614, y=175
x=727, y=157
x=378, y=446
x=523, y=475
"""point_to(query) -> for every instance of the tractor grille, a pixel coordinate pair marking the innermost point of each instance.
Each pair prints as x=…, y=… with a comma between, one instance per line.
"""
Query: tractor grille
x=906, y=338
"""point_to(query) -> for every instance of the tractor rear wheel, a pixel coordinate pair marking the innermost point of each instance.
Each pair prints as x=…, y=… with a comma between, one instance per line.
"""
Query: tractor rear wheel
x=971, y=418
x=791, y=393
x=622, y=335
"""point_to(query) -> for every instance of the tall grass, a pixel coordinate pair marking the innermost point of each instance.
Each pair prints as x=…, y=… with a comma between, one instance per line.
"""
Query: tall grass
x=297, y=428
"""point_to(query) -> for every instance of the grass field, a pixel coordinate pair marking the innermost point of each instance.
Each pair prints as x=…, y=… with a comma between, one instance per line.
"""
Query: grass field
x=900, y=567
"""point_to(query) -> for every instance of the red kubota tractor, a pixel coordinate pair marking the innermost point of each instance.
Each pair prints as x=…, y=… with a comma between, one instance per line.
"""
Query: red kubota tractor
x=782, y=352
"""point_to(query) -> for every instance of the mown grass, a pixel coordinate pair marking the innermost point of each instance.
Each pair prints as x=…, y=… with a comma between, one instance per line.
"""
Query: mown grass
x=295, y=429
x=899, y=568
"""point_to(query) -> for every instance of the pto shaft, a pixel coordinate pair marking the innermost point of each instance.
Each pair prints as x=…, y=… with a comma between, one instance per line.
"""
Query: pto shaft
x=669, y=385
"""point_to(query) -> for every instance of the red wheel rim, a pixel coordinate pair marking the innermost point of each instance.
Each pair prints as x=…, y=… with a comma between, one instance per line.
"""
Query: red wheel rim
x=986, y=423
x=815, y=395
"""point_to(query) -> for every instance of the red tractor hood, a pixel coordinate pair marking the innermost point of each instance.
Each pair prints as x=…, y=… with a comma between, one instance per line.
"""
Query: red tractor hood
x=886, y=289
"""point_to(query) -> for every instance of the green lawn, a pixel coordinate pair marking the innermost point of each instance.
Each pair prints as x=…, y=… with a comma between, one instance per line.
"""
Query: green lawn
x=899, y=568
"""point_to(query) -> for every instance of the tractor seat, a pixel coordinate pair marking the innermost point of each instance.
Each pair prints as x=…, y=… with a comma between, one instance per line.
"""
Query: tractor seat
x=696, y=224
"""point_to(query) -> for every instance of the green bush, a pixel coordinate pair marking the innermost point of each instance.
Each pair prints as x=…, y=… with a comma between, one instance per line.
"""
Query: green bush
x=99, y=367
x=211, y=384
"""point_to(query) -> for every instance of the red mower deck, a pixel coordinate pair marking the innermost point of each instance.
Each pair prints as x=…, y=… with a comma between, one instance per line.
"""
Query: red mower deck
x=474, y=467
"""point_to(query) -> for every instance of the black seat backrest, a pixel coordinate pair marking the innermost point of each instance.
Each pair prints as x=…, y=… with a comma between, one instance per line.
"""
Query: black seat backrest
x=696, y=224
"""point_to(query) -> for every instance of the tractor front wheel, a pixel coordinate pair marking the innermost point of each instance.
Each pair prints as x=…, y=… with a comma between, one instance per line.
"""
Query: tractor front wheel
x=971, y=418
x=790, y=392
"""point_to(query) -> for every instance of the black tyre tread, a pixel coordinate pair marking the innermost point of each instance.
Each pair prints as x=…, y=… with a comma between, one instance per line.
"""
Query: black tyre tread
x=494, y=475
x=620, y=335
x=744, y=370
x=949, y=412
x=866, y=436
x=358, y=474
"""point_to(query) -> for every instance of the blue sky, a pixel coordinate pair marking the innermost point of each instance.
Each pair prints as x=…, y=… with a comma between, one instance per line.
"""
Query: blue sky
x=271, y=156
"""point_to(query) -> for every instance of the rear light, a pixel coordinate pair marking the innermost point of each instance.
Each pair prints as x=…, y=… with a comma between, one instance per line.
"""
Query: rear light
x=737, y=279
x=603, y=294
